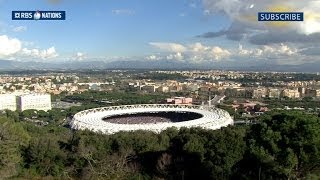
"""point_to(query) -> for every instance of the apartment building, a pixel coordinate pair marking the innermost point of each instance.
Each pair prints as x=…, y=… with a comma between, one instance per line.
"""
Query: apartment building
x=34, y=101
x=8, y=101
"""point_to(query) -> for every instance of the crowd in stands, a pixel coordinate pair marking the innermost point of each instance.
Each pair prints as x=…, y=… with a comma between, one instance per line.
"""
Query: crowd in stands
x=152, y=118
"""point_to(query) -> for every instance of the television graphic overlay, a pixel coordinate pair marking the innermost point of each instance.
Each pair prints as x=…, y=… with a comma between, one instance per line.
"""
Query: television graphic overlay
x=280, y=16
x=38, y=15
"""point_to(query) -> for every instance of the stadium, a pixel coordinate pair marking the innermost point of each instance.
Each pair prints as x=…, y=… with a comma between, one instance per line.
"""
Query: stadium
x=151, y=117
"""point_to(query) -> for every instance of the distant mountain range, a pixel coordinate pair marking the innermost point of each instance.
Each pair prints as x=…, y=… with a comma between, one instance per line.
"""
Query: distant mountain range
x=8, y=65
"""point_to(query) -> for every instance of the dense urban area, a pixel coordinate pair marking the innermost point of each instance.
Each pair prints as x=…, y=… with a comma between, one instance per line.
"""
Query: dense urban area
x=276, y=131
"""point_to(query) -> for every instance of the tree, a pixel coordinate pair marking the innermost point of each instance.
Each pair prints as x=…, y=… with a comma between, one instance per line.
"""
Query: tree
x=42, y=114
x=29, y=113
x=57, y=115
x=308, y=99
x=257, y=107
x=285, y=145
x=12, y=138
x=45, y=157
x=14, y=115
x=217, y=152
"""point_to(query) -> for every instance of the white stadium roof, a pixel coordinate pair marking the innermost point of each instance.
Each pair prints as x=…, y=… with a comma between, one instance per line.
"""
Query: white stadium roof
x=92, y=119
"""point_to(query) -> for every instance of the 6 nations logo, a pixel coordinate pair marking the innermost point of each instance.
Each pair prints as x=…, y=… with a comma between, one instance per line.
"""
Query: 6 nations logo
x=38, y=15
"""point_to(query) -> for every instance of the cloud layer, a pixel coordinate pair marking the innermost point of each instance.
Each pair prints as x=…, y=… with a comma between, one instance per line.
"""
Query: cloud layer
x=276, y=42
x=79, y=56
x=171, y=47
x=19, y=28
x=199, y=53
x=196, y=52
x=243, y=14
x=40, y=54
x=11, y=48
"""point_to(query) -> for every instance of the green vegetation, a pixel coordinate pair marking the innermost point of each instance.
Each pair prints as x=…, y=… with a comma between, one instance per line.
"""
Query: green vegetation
x=306, y=103
x=265, y=78
x=285, y=145
x=52, y=116
x=162, y=76
x=100, y=98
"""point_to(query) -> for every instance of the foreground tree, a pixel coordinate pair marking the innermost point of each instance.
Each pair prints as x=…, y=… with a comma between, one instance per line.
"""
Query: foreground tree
x=12, y=138
x=285, y=145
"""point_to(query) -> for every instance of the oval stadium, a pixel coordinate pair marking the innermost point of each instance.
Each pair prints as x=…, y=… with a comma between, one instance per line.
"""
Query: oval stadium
x=151, y=117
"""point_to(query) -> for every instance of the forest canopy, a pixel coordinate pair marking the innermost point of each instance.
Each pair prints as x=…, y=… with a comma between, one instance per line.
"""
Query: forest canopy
x=284, y=145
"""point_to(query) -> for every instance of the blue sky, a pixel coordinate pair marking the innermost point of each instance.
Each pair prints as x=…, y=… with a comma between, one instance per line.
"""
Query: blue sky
x=113, y=27
x=185, y=30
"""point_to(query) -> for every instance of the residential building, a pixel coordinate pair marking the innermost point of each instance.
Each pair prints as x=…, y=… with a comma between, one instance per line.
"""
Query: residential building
x=291, y=93
x=8, y=101
x=259, y=93
x=149, y=88
x=163, y=89
x=179, y=100
x=313, y=92
x=302, y=91
x=34, y=101
x=274, y=93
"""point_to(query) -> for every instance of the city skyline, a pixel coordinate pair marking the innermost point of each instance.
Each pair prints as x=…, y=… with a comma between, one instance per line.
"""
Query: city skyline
x=190, y=32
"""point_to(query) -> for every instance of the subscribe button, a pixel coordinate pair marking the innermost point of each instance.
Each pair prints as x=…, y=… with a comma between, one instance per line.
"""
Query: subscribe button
x=280, y=16
x=38, y=15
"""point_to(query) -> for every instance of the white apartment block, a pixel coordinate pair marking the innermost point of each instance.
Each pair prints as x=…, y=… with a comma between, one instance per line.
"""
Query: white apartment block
x=274, y=93
x=34, y=101
x=291, y=93
x=259, y=93
x=8, y=101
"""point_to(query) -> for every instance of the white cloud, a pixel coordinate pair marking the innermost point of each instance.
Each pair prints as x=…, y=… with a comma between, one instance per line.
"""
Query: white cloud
x=79, y=56
x=243, y=9
x=177, y=56
x=182, y=14
x=171, y=47
x=311, y=23
x=219, y=53
x=200, y=52
x=123, y=12
x=255, y=52
x=277, y=54
x=281, y=49
x=243, y=51
x=30, y=52
x=230, y=7
x=276, y=51
x=12, y=48
x=243, y=15
x=153, y=57
x=42, y=54
x=206, y=12
x=19, y=28
x=198, y=47
x=9, y=46
x=193, y=52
